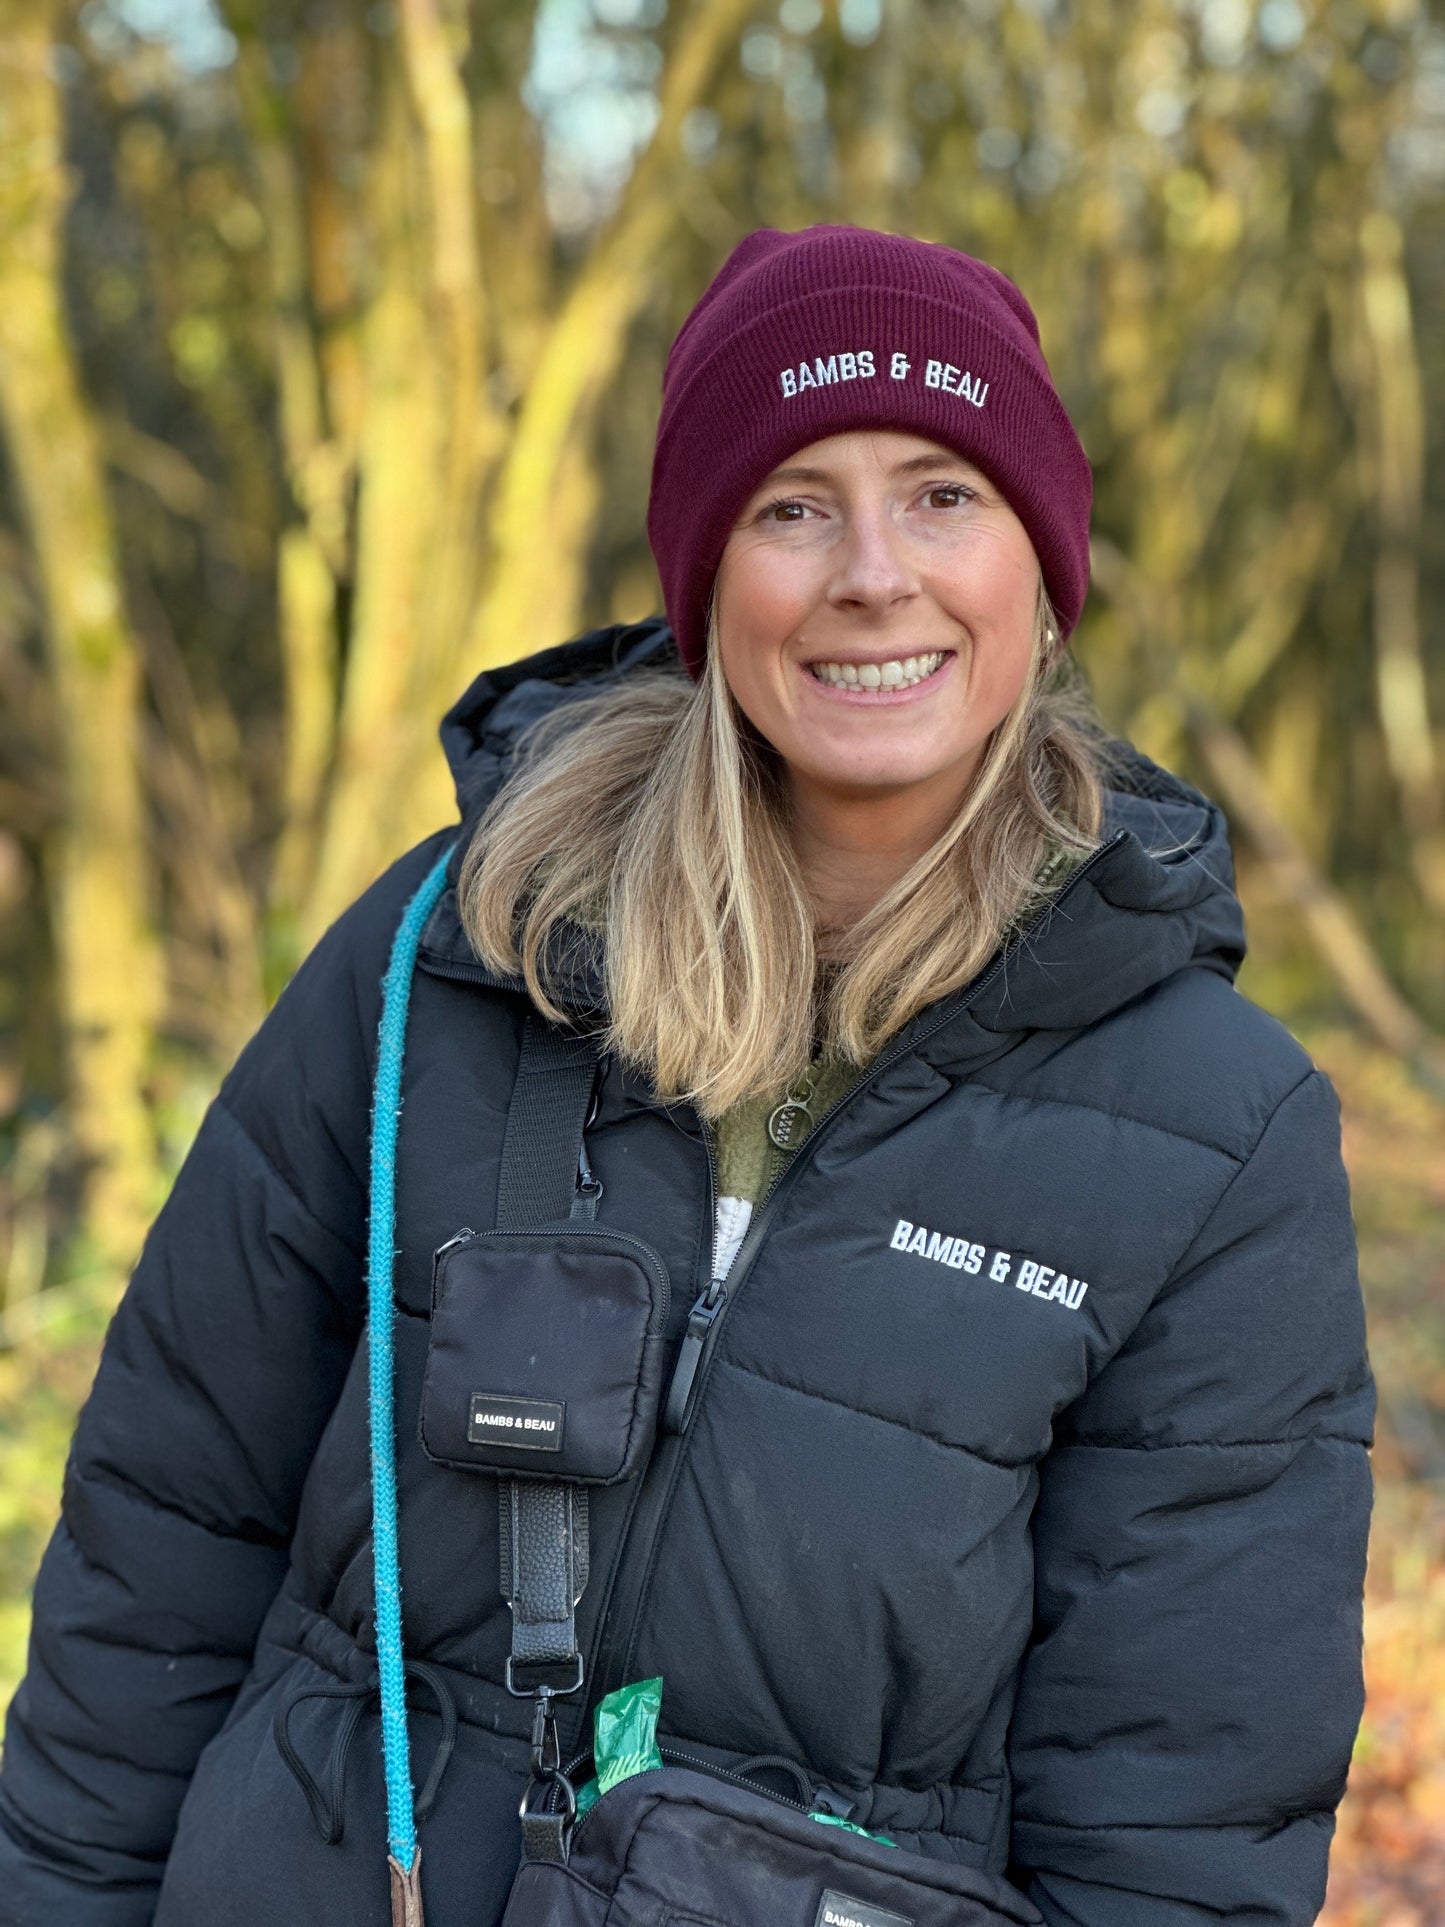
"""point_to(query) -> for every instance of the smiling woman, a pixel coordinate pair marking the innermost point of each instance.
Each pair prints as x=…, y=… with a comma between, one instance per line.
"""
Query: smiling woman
x=906, y=1322
x=736, y=835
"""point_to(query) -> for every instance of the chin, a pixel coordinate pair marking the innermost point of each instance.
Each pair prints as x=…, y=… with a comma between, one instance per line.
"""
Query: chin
x=888, y=773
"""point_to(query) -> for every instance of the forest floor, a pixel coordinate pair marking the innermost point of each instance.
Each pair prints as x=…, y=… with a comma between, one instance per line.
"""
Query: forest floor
x=1388, y=1860
x=1387, y=1868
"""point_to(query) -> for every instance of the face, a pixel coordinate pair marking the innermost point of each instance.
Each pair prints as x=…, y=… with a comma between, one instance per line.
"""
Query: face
x=876, y=608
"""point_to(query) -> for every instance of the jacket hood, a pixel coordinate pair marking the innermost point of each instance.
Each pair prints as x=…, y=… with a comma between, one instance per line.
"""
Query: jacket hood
x=1157, y=896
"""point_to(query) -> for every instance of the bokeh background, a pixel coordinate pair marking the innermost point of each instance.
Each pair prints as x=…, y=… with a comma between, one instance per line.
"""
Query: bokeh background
x=331, y=337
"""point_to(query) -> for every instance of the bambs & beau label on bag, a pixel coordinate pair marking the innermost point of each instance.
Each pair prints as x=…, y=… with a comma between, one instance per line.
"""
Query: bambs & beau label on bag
x=531, y=1422
x=842, y=1910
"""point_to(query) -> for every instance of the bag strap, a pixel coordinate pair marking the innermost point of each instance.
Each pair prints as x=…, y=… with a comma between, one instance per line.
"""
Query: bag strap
x=543, y=1524
x=544, y=1178
x=544, y=1165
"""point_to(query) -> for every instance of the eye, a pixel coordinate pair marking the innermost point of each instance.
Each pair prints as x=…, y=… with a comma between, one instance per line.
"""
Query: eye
x=783, y=502
x=964, y=493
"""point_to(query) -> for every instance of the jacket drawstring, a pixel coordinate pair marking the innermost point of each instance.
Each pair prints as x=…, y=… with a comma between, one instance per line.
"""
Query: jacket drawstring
x=326, y=1796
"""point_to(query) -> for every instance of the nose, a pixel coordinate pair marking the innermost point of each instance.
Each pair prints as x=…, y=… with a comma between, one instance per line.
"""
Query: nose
x=873, y=568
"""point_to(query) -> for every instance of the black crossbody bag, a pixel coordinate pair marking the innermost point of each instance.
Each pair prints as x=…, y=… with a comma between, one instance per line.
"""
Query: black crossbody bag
x=545, y=1374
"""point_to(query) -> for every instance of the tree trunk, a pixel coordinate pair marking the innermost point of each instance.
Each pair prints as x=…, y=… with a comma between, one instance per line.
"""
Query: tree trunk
x=1396, y=415
x=109, y=990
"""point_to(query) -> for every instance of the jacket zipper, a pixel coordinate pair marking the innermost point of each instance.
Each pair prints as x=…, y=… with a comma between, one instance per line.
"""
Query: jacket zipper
x=706, y=1307
x=612, y=1652
x=603, y=1658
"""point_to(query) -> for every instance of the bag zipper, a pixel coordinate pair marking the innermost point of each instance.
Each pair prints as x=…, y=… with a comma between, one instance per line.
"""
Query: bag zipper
x=579, y=1228
x=611, y=1654
x=676, y=1756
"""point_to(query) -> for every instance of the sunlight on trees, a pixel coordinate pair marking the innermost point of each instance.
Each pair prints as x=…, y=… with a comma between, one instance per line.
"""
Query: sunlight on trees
x=330, y=356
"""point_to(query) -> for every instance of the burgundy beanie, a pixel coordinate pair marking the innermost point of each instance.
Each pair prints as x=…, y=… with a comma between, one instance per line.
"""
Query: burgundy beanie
x=803, y=335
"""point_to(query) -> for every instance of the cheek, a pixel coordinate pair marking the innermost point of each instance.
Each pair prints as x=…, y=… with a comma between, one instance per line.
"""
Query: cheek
x=1001, y=609
x=763, y=598
x=997, y=675
x=751, y=673
x=761, y=610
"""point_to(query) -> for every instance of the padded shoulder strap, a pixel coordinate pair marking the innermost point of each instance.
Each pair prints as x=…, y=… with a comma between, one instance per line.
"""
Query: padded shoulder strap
x=541, y=1171
x=545, y=1178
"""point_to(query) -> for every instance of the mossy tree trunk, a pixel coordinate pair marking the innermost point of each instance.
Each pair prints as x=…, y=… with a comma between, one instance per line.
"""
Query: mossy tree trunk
x=109, y=981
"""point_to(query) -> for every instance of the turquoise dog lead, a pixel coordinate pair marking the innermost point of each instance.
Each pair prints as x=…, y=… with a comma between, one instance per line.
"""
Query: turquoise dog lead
x=404, y=1856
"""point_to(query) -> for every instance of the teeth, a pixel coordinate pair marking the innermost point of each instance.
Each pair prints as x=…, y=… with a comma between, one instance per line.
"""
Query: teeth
x=897, y=673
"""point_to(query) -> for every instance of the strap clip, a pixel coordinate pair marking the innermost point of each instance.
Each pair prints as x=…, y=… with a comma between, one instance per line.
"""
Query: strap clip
x=546, y=1830
x=552, y=1692
x=546, y=1754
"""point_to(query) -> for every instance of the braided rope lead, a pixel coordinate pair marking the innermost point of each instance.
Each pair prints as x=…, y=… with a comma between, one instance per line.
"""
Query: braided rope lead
x=381, y=1253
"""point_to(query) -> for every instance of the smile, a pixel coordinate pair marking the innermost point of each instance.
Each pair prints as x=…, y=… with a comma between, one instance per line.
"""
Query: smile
x=893, y=674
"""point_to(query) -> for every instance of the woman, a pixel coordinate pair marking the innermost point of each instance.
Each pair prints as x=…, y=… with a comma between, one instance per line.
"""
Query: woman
x=1012, y=1487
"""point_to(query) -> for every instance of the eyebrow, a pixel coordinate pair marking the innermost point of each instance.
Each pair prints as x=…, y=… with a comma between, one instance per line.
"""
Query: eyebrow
x=911, y=466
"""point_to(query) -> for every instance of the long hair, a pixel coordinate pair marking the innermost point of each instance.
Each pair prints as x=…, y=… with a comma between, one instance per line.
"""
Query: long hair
x=655, y=812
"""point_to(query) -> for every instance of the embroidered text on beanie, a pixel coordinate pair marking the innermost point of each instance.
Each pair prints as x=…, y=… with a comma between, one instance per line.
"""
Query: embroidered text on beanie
x=802, y=335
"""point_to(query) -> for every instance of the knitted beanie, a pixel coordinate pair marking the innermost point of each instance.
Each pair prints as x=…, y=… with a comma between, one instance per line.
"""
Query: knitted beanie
x=803, y=335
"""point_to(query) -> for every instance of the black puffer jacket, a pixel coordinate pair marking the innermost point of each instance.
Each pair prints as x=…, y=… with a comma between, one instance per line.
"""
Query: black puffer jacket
x=1052, y=1565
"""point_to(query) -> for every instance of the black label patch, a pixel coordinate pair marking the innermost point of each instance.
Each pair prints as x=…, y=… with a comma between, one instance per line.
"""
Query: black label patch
x=842, y=1910
x=535, y=1423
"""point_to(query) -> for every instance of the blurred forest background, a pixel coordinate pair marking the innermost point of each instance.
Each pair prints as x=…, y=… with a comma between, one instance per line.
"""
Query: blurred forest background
x=331, y=340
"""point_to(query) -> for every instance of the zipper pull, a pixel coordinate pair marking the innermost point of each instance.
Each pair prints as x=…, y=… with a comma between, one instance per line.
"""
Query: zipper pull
x=587, y=1193
x=700, y=1321
x=457, y=1238
x=784, y=1123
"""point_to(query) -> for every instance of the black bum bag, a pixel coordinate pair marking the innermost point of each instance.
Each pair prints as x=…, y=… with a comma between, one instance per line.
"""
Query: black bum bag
x=675, y=1848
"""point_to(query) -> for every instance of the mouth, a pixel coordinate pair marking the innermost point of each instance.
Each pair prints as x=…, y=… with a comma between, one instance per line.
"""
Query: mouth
x=878, y=678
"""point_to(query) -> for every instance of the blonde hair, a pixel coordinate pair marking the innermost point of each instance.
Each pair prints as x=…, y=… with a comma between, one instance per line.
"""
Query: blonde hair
x=655, y=810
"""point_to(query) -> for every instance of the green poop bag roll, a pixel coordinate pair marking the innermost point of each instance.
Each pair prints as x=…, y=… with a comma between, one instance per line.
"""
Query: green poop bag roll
x=624, y=1737
x=624, y=1732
